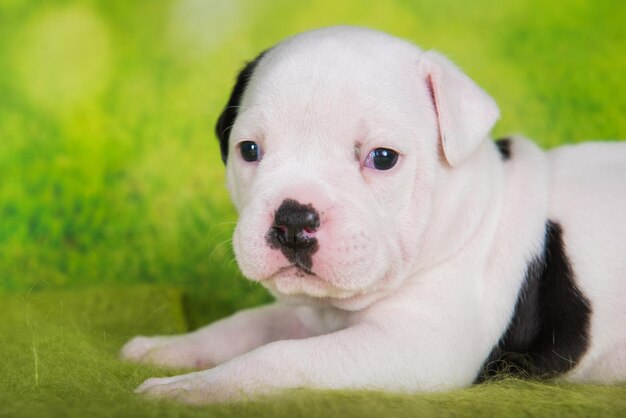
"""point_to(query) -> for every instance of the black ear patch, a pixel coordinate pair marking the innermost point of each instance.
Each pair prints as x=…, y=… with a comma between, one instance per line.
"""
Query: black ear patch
x=549, y=330
x=504, y=147
x=227, y=119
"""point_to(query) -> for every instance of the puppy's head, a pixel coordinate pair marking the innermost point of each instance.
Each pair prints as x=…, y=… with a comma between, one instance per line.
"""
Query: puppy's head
x=334, y=142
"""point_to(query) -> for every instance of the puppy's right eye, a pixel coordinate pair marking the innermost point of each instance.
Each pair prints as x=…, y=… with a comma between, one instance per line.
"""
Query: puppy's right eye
x=381, y=159
x=250, y=151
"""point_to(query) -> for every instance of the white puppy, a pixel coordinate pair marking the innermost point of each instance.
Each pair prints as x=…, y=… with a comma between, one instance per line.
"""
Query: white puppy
x=407, y=251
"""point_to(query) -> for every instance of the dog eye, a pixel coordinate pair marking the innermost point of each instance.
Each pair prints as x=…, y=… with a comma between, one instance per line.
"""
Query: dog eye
x=250, y=151
x=381, y=159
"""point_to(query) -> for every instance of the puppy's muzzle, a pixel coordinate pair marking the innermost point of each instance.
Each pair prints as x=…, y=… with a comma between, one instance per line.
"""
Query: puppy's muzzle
x=293, y=233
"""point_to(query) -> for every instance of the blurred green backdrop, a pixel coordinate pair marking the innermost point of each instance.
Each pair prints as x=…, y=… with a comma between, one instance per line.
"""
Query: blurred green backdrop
x=110, y=175
x=109, y=168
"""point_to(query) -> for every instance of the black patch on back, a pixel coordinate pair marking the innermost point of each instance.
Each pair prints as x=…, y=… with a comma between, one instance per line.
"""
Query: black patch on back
x=549, y=330
x=227, y=119
x=504, y=146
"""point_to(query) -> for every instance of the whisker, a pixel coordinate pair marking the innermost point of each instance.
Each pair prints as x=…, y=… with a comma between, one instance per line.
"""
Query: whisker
x=212, y=239
x=213, y=226
x=230, y=263
x=218, y=246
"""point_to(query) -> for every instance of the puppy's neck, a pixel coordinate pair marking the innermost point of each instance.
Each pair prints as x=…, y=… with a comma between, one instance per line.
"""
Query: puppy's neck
x=467, y=204
x=487, y=205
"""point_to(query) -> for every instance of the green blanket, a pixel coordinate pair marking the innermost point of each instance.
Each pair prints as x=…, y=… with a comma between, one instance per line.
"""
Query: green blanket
x=59, y=353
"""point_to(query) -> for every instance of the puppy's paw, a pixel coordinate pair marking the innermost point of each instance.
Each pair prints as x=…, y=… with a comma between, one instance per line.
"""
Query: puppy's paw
x=139, y=348
x=166, y=351
x=192, y=388
x=136, y=349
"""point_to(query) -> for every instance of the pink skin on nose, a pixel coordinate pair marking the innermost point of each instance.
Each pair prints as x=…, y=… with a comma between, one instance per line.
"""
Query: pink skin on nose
x=306, y=232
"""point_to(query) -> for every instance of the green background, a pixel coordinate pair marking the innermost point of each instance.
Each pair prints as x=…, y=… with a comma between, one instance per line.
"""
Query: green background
x=114, y=218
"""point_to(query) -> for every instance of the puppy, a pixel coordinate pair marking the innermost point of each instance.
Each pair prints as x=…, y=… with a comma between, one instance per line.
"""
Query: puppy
x=407, y=251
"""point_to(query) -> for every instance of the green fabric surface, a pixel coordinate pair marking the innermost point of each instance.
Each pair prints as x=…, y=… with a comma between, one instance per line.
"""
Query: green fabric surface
x=59, y=348
x=59, y=352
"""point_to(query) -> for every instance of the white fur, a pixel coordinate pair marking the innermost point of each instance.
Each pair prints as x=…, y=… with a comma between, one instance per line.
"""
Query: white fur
x=419, y=267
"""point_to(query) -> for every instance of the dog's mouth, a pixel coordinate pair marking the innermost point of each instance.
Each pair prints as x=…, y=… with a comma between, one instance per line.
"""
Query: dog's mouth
x=295, y=281
x=299, y=269
x=299, y=281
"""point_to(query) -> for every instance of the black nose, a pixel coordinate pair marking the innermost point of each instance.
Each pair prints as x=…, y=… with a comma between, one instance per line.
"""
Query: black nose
x=294, y=226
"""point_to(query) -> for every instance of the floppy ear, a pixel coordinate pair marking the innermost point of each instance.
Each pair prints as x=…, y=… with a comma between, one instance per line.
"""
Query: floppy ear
x=227, y=119
x=465, y=112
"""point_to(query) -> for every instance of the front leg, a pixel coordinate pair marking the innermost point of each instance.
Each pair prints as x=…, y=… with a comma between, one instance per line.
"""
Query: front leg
x=397, y=352
x=229, y=337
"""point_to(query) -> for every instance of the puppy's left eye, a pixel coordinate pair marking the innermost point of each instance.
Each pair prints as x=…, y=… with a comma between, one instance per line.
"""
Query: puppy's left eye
x=381, y=159
x=250, y=151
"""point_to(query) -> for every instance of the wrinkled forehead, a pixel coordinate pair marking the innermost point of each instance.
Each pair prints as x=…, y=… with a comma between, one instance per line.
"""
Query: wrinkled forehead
x=308, y=83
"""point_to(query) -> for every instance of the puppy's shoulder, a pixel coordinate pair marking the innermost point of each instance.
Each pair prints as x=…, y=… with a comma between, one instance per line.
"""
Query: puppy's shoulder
x=517, y=148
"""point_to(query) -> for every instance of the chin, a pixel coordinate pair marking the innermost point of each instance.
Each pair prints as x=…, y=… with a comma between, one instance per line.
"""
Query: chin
x=294, y=281
x=292, y=284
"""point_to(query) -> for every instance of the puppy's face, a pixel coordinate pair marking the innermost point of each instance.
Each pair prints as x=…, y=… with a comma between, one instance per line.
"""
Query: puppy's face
x=333, y=152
